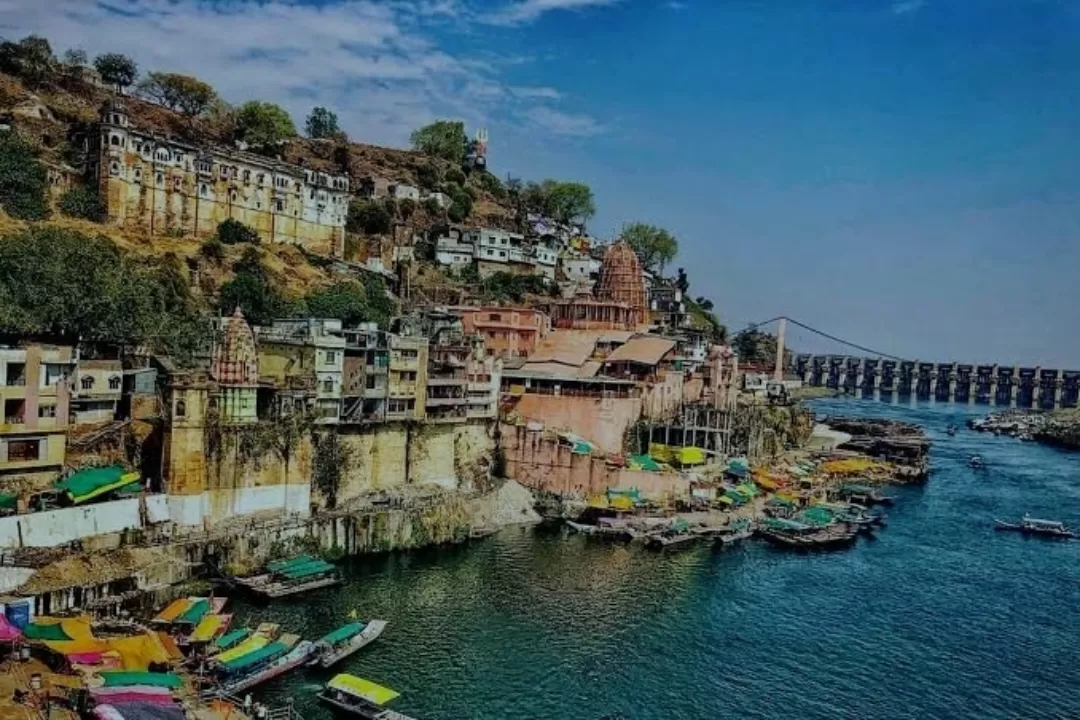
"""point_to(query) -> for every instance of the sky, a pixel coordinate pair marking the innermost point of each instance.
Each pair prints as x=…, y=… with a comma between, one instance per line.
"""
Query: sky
x=904, y=174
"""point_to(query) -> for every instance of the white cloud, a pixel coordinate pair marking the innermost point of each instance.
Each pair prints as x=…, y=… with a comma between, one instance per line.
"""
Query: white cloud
x=903, y=7
x=561, y=123
x=527, y=11
x=536, y=93
x=378, y=65
x=675, y=5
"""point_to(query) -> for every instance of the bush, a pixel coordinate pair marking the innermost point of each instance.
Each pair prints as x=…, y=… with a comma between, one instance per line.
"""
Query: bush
x=234, y=232
x=427, y=177
x=352, y=303
x=432, y=207
x=453, y=175
x=459, y=211
x=406, y=208
x=23, y=181
x=368, y=217
x=213, y=249
x=82, y=202
x=490, y=184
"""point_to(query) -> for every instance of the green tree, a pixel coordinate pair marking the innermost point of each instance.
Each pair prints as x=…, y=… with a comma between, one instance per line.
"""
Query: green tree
x=117, y=70
x=254, y=291
x=655, y=246
x=23, y=181
x=490, y=184
x=213, y=249
x=184, y=93
x=82, y=202
x=406, y=208
x=346, y=301
x=368, y=217
x=75, y=57
x=234, y=232
x=263, y=125
x=322, y=123
x=442, y=139
x=427, y=176
x=31, y=59
x=570, y=201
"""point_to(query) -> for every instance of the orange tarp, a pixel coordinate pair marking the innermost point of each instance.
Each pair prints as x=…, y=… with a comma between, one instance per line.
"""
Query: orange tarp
x=174, y=610
x=169, y=644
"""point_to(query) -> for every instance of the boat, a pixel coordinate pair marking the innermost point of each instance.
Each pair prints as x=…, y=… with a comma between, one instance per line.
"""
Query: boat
x=864, y=495
x=794, y=534
x=1034, y=526
x=976, y=462
x=736, y=531
x=360, y=698
x=678, y=533
x=345, y=641
x=582, y=528
x=293, y=576
x=267, y=669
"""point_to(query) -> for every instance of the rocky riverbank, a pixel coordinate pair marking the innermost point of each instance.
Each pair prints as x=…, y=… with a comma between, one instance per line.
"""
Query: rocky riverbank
x=1060, y=428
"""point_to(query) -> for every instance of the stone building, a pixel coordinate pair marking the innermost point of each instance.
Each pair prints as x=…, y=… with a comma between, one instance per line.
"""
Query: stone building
x=96, y=389
x=163, y=186
x=365, y=372
x=304, y=356
x=235, y=369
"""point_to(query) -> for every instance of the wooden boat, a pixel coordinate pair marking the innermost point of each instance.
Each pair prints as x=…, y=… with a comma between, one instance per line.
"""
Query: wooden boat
x=282, y=664
x=293, y=576
x=791, y=534
x=360, y=698
x=345, y=641
x=1035, y=526
x=678, y=533
x=581, y=527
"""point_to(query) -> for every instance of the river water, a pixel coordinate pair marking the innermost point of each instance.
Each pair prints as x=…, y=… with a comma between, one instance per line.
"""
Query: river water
x=939, y=617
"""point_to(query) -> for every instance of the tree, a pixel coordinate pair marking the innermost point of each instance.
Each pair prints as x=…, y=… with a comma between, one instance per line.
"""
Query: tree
x=406, y=208
x=322, y=123
x=213, y=250
x=75, y=57
x=570, y=201
x=367, y=217
x=490, y=184
x=427, y=176
x=254, y=291
x=442, y=139
x=31, y=59
x=345, y=301
x=655, y=246
x=705, y=304
x=23, y=181
x=82, y=202
x=185, y=93
x=117, y=70
x=264, y=124
x=234, y=232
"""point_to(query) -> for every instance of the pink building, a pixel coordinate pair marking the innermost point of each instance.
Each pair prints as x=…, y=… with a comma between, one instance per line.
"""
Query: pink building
x=508, y=332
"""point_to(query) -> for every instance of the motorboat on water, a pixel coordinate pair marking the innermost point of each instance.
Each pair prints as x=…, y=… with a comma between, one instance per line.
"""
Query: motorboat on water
x=1035, y=526
x=976, y=463
x=345, y=641
x=360, y=698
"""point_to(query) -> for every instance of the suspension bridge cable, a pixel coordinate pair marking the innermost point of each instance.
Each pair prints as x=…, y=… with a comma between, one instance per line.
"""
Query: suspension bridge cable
x=824, y=334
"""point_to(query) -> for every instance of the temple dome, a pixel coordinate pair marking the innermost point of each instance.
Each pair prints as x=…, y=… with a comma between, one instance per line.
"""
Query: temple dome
x=621, y=279
x=234, y=361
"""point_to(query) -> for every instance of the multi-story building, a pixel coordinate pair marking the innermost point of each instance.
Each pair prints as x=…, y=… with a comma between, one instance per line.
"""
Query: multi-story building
x=35, y=396
x=162, y=185
x=309, y=355
x=452, y=250
x=667, y=311
x=406, y=378
x=545, y=258
x=96, y=389
x=508, y=332
x=365, y=374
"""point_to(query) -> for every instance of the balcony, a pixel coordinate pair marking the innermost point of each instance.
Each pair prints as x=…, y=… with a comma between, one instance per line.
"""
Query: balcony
x=435, y=402
x=404, y=364
x=397, y=391
x=445, y=381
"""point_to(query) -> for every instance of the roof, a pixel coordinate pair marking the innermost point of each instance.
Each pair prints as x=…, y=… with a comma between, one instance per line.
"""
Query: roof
x=343, y=633
x=587, y=369
x=92, y=482
x=363, y=688
x=268, y=652
x=615, y=336
x=566, y=347
x=643, y=350
x=116, y=679
x=94, y=569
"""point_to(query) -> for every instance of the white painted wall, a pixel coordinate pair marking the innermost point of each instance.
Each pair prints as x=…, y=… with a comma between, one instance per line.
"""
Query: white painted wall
x=13, y=577
x=56, y=527
x=217, y=505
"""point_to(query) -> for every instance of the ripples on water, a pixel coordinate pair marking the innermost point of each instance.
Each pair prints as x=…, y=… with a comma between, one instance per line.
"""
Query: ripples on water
x=940, y=617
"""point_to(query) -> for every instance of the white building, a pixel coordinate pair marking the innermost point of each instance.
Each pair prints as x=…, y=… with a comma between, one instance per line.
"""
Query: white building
x=452, y=251
x=401, y=191
x=581, y=268
x=441, y=199
x=95, y=391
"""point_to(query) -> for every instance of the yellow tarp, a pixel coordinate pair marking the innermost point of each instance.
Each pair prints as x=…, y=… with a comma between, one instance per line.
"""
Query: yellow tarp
x=207, y=628
x=363, y=688
x=850, y=466
x=690, y=455
x=725, y=499
x=597, y=501
x=139, y=651
x=252, y=644
x=174, y=610
x=766, y=483
x=82, y=638
x=662, y=453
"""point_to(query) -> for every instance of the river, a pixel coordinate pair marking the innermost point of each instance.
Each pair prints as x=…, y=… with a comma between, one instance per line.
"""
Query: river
x=938, y=617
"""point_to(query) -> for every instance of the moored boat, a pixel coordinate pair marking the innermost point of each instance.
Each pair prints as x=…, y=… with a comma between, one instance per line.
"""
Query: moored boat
x=346, y=640
x=360, y=698
x=290, y=577
x=794, y=534
x=1034, y=526
x=269, y=669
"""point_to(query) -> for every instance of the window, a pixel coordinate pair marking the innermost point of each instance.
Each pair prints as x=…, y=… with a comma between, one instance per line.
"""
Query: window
x=23, y=450
x=502, y=253
x=114, y=140
x=328, y=385
x=46, y=411
x=495, y=317
x=244, y=403
x=114, y=382
x=180, y=410
x=203, y=190
x=138, y=175
x=15, y=411
x=331, y=356
x=247, y=177
x=489, y=252
x=177, y=184
x=232, y=196
x=16, y=374
x=280, y=206
x=87, y=383
x=159, y=179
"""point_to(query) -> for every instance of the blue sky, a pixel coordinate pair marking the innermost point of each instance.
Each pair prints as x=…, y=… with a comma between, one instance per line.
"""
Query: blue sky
x=904, y=174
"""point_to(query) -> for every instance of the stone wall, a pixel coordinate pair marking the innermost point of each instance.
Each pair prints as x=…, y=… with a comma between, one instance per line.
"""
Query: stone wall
x=601, y=421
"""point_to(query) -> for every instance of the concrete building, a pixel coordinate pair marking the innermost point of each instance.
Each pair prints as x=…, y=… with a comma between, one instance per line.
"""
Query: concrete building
x=401, y=191
x=96, y=389
x=441, y=199
x=35, y=396
x=667, y=310
x=580, y=268
x=545, y=259
x=452, y=250
x=406, y=378
x=365, y=375
x=305, y=354
x=162, y=185
x=508, y=332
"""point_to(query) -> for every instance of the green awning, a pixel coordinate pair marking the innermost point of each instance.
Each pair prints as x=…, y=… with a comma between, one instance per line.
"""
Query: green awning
x=40, y=631
x=263, y=654
x=343, y=633
x=313, y=568
x=815, y=516
x=278, y=565
x=124, y=679
x=93, y=482
x=195, y=613
x=9, y=501
x=231, y=638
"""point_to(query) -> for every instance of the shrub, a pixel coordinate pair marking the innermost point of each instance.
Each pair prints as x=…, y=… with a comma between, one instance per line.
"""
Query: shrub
x=432, y=207
x=427, y=177
x=453, y=175
x=23, y=180
x=234, y=232
x=82, y=202
x=406, y=208
x=368, y=217
x=213, y=249
x=458, y=211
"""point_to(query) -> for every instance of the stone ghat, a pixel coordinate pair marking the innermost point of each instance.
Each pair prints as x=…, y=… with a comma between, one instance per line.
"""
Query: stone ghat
x=902, y=443
x=1060, y=428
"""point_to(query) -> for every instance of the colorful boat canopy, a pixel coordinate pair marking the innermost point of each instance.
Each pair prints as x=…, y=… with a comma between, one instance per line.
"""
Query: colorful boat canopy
x=279, y=565
x=360, y=687
x=250, y=645
x=232, y=637
x=8, y=632
x=195, y=613
x=120, y=679
x=269, y=652
x=209, y=627
x=174, y=610
x=53, y=631
x=92, y=482
x=295, y=572
x=344, y=633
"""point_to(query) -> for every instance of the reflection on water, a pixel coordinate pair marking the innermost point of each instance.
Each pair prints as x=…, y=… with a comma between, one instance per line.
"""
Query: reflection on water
x=939, y=617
